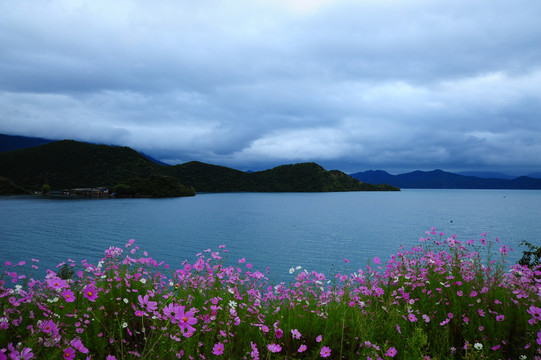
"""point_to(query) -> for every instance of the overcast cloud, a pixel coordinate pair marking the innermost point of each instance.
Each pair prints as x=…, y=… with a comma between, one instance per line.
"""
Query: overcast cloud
x=397, y=85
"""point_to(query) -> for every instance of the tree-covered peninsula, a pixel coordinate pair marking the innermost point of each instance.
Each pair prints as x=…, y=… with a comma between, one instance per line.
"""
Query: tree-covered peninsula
x=69, y=164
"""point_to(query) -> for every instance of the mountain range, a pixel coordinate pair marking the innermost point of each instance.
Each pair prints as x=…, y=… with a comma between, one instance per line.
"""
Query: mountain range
x=439, y=179
x=212, y=178
x=71, y=164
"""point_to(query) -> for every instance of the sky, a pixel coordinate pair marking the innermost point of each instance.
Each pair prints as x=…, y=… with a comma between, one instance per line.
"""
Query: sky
x=353, y=85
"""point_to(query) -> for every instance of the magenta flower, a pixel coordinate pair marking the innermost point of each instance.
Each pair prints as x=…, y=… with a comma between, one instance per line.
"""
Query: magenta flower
x=78, y=345
x=218, y=349
x=146, y=303
x=274, y=348
x=56, y=283
x=539, y=337
x=68, y=295
x=295, y=334
x=69, y=353
x=302, y=348
x=412, y=318
x=499, y=318
x=376, y=260
x=319, y=338
x=110, y=357
x=325, y=351
x=391, y=352
x=185, y=320
x=49, y=327
x=90, y=292
x=26, y=354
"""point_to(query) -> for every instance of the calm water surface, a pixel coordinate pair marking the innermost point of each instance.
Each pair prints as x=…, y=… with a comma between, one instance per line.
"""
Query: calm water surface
x=276, y=230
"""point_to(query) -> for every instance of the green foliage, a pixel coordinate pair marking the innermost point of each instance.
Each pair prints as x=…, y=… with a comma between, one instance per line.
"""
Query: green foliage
x=71, y=164
x=65, y=272
x=45, y=189
x=531, y=257
x=7, y=187
x=153, y=186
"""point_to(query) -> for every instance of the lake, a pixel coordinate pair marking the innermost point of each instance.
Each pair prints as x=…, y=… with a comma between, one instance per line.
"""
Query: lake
x=276, y=230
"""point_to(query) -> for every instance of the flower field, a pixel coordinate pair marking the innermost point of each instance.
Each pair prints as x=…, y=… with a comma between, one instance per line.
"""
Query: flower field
x=441, y=299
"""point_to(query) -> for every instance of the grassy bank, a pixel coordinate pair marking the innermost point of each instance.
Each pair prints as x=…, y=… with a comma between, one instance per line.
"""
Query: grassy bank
x=442, y=299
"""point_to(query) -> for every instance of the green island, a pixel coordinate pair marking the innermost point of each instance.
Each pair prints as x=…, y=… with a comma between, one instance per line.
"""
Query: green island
x=69, y=166
x=441, y=299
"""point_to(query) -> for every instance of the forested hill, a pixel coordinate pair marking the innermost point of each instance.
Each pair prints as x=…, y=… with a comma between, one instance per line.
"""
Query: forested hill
x=68, y=164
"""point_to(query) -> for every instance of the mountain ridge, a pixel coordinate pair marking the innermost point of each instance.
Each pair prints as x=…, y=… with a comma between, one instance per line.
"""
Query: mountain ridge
x=67, y=164
x=439, y=179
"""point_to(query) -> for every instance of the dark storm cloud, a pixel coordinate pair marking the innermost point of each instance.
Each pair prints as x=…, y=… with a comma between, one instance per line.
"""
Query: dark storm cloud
x=251, y=84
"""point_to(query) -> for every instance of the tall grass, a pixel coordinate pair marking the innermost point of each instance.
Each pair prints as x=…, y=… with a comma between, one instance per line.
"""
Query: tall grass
x=442, y=299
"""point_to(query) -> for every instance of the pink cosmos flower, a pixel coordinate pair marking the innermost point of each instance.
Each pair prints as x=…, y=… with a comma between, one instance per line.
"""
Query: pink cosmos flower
x=90, y=292
x=110, y=357
x=68, y=295
x=499, y=318
x=145, y=302
x=56, y=283
x=78, y=345
x=325, y=351
x=186, y=320
x=49, y=327
x=69, y=353
x=274, y=348
x=279, y=333
x=412, y=318
x=218, y=349
x=295, y=334
x=26, y=354
x=377, y=260
x=539, y=337
x=302, y=348
x=391, y=352
x=319, y=338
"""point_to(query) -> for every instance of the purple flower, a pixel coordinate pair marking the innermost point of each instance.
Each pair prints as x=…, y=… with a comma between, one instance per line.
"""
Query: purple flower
x=302, y=348
x=68, y=295
x=26, y=354
x=391, y=352
x=319, y=338
x=78, y=345
x=218, y=349
x=274, y=348
x=499, y=318
x=69, y=353
x=295, y=334
x=186, y=320
x=325, y=351
x=90, y=292
x=145, y=302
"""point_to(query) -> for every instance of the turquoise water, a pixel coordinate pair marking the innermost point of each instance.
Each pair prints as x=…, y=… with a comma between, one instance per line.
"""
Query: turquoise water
x=276, y=230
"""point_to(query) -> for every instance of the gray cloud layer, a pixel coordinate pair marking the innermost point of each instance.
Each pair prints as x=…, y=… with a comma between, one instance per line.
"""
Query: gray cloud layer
x=389, y=84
